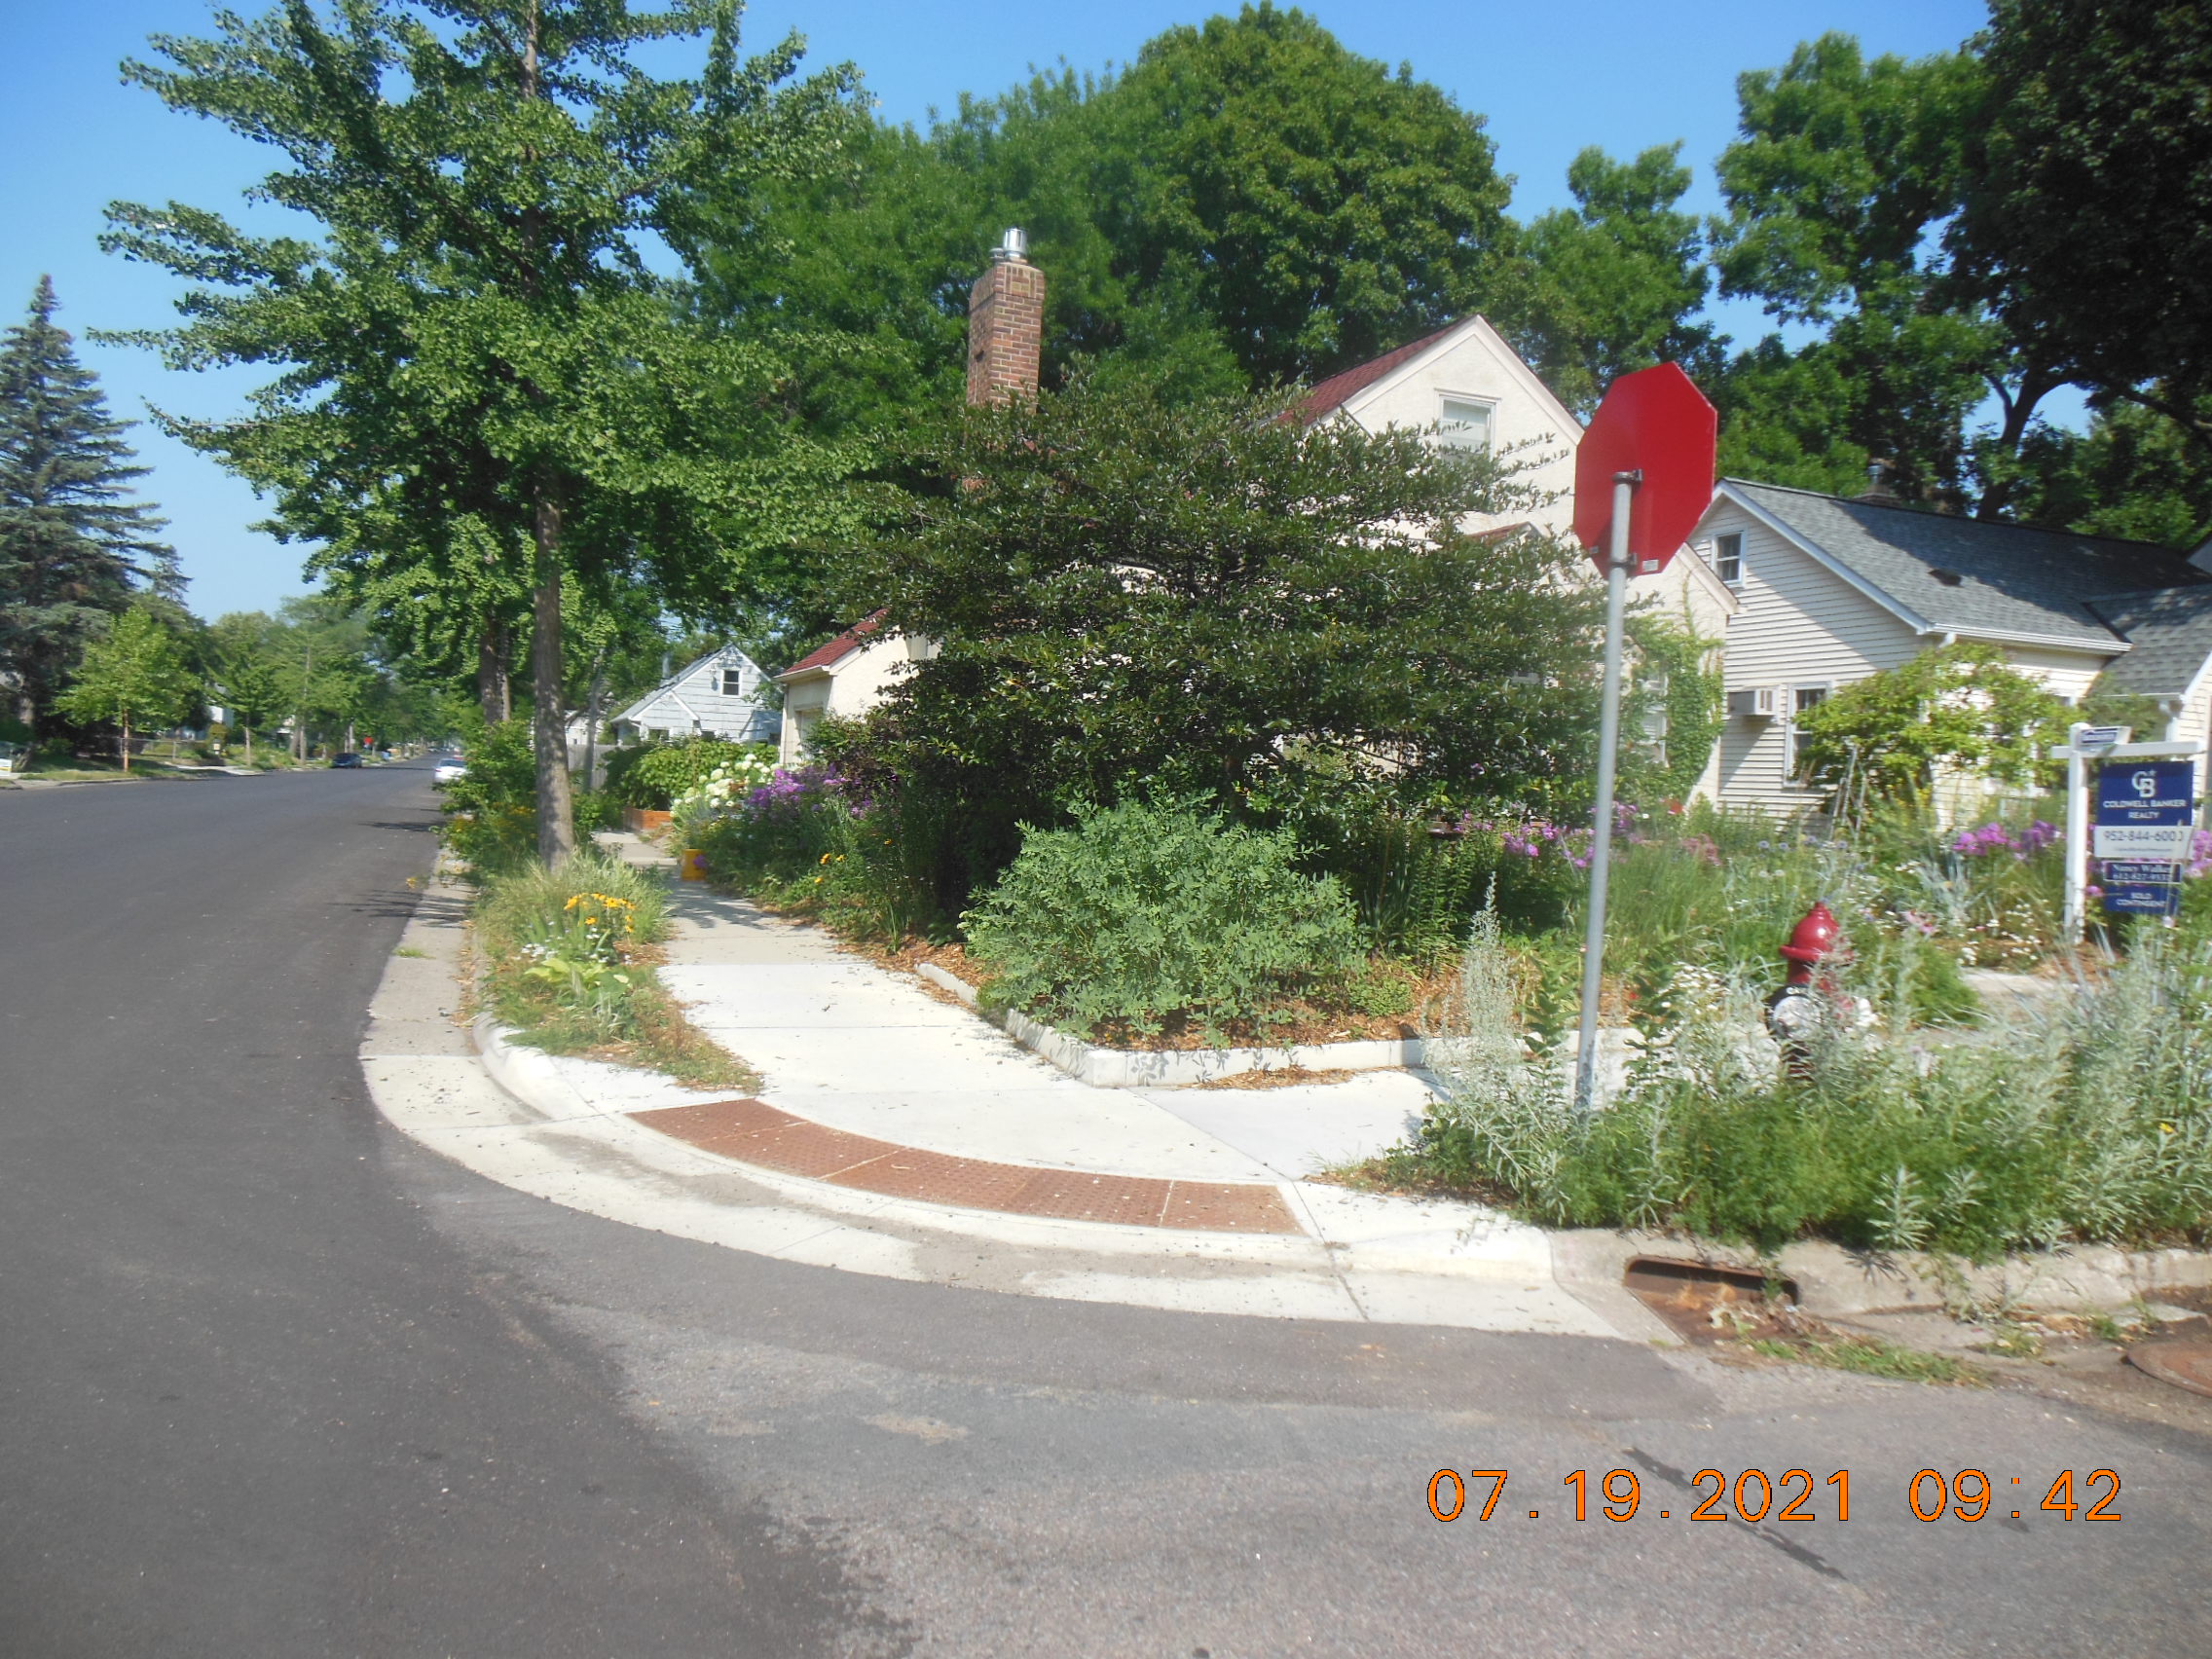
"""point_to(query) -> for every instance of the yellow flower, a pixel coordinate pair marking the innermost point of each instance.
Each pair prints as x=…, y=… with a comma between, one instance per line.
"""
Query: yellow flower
x=824, y=859
x=2165, y=1128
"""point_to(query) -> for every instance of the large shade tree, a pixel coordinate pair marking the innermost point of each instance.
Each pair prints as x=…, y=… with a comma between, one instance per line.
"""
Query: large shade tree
x=74, y=545
x=1135, y=591
x=473, y=335
x=2087, y=221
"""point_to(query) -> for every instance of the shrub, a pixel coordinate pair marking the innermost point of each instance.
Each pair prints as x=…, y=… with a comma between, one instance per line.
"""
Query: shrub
x=1142, y=911
x=492, y=813
x=651, y=776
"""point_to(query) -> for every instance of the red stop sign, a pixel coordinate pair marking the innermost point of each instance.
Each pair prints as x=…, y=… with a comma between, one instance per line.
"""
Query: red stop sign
x=1657, y=422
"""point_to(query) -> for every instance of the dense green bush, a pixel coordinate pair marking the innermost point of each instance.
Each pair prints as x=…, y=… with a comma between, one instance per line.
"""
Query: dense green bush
x=492, y=813
x=651, y=776
x=806, y=843
x=1143, y=911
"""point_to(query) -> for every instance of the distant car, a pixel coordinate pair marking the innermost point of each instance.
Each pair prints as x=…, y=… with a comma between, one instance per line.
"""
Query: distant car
x=345, y=761
x=449, y=771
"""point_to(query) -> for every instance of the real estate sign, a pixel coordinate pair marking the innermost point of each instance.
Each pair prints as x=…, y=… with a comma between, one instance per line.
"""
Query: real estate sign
x=2145, y=823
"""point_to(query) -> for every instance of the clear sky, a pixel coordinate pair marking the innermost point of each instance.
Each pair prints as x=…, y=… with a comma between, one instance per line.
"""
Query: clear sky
x=1551, y=76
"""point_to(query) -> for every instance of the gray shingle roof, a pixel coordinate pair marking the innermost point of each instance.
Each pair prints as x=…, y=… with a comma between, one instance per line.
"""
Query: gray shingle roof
x=1998, y=578
x=2171, y=631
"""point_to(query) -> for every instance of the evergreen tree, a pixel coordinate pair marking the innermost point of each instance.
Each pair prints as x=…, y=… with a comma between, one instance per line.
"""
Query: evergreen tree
x=72, y=543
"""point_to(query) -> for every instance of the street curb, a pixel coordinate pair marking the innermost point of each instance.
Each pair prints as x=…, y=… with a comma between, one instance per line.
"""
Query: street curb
x=1832, y=1281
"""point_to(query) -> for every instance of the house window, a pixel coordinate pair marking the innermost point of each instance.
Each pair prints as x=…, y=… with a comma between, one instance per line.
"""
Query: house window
x=1729, y=559
x=1801, y=699
x=1464, y=423
x=733, y=682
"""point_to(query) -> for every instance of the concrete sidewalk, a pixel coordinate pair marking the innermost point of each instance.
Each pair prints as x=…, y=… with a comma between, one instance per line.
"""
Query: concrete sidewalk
x=898, y=1133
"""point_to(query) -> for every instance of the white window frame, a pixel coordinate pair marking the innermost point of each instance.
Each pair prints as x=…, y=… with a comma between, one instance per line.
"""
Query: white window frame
x=1789, y=720
x=1489, y=407
x=1717, y=557
x=736, y=674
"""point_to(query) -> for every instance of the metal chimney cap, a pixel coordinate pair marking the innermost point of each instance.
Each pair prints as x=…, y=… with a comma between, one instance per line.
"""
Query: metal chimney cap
x=1014, y=245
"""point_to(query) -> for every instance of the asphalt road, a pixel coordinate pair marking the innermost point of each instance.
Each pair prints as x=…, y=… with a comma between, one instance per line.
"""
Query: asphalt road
x=275, y=1381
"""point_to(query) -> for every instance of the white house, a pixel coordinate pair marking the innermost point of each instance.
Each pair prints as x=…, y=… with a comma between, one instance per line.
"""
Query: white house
x=1469, y=384
x=847, y=677
x=1832, y=590
x=722, y=694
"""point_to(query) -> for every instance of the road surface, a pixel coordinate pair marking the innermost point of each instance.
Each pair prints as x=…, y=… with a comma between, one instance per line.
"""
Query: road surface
x=276, y=1382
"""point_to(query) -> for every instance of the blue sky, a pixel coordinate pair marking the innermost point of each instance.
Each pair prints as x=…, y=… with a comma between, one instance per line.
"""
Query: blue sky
x=1549, y=78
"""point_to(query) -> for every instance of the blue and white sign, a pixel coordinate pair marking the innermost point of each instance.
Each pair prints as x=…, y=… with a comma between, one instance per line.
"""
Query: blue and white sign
x=2146, y=809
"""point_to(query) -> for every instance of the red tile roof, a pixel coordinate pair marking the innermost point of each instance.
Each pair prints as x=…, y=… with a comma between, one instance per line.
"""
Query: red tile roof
x=822, y=657
x=1338, y=387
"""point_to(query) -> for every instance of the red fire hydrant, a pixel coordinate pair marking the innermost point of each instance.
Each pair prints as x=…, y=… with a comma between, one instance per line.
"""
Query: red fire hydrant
x=1798, y=1007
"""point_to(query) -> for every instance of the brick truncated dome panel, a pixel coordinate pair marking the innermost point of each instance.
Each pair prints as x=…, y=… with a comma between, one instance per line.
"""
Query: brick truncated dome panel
x=1006, y=327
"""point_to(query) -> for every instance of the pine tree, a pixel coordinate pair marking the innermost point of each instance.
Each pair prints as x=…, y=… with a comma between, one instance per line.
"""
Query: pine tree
x=72, y=544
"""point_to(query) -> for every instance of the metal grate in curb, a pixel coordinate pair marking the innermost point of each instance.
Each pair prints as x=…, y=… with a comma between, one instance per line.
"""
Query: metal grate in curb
x=752, y=1131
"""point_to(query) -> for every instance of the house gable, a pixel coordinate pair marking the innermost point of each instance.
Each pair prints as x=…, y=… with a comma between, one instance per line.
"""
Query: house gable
x=719, y=695
x=1472, y=362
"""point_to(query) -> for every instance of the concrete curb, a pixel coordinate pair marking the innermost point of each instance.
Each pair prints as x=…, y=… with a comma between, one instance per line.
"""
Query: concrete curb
x=1833, y=1280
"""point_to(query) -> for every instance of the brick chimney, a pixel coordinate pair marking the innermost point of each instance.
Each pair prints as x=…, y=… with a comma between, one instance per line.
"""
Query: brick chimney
x=1006, y=325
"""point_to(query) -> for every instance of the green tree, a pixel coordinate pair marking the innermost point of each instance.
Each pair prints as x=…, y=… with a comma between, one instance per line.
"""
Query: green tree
x=248, y=671
x=1614, y=284
x=1247, y=203
x=133, y=677
x=2087, y=220
x=73, y=548
x=1139, y=591
x=1954, y=709
x=475, y=337
x=1845, y=174
x=2134, y=473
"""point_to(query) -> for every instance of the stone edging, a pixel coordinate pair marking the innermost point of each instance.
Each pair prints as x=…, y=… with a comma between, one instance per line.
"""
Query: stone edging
x=1125, y=1068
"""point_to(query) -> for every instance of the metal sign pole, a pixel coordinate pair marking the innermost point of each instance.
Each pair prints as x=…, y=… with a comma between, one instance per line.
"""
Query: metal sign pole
x=1601, y=829
x=2076, y=834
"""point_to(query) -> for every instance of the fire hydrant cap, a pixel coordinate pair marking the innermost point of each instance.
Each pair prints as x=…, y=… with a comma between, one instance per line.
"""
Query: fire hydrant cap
x=1814, y=937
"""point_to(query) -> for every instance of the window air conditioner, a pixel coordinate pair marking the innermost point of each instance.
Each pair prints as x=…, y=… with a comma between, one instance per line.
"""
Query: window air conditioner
x=1754, y=701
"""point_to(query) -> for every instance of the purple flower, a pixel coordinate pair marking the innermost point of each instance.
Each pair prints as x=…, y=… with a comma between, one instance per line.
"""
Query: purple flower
x=2039, y=835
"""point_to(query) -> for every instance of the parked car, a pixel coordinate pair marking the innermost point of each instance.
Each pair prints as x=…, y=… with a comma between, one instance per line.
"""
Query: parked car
x=450, y=770
x=345, y=761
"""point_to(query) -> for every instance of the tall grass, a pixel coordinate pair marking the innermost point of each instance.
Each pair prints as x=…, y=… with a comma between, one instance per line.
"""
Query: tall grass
x=2091, y=1125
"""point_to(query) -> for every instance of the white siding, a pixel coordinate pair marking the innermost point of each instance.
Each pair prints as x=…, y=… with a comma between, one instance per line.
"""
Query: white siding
x=1527, y=423
x=1799, y=625
x=2066, y=674
x=694, y=702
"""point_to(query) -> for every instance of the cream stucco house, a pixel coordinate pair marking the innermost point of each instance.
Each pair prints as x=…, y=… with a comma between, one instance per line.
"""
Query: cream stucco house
x=847, y=677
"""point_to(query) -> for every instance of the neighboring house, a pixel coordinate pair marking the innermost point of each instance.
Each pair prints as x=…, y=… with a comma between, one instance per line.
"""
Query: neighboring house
x=1469, y=384
x=847, y=677
x=1833, y=590
x=721, y=695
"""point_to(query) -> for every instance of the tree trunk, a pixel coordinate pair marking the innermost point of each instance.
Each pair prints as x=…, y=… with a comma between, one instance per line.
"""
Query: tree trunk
x=125, y=744
x=249, y=730
x=556, y=807
x=494, y=694
x=2019, y=407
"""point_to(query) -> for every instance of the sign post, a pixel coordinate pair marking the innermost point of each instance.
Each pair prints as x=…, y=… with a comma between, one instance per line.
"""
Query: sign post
x=1643, y=479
